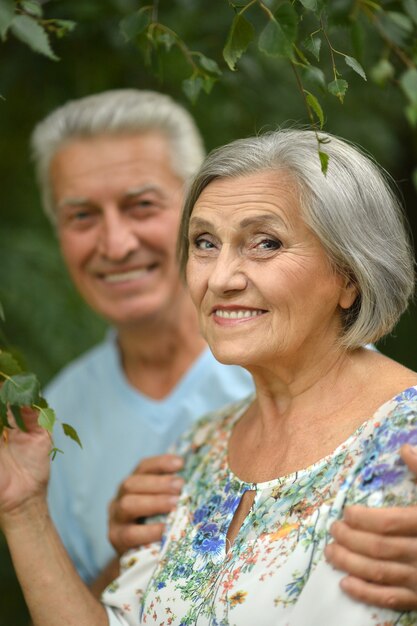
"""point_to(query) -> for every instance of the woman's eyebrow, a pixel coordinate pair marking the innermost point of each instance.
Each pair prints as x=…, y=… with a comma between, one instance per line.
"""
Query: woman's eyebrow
x=267, y=219
x=198, y=222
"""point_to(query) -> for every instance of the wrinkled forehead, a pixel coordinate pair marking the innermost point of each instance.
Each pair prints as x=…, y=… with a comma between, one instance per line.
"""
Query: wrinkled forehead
x=268, y=195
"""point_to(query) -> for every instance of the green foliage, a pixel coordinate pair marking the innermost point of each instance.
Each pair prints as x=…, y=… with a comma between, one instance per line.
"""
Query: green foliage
x=22, y=389
x=24, y=20
x=301, y=33
x=240, y=35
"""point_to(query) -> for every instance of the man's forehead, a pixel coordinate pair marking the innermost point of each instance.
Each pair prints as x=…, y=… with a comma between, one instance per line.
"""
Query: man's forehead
x=133, y=192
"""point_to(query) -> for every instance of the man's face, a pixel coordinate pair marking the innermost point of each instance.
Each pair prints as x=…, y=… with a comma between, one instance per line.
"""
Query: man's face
x=118, y=205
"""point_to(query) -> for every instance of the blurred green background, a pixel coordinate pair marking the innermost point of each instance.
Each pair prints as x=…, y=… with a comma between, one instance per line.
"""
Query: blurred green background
x=45, y=320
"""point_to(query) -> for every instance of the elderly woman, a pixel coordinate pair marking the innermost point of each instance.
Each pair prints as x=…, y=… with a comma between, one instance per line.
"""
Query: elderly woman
x=292, y=272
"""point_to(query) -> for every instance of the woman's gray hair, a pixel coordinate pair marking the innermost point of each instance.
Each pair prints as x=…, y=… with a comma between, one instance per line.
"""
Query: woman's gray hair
x=352, y=210
x=121, y=111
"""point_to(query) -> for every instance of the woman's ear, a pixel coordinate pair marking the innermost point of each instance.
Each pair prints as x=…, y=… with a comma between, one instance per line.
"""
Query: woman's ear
x=348, y=294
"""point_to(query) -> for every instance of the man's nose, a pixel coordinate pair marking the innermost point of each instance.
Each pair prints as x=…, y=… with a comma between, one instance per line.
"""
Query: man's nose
x=227, y=273
x=117, y=237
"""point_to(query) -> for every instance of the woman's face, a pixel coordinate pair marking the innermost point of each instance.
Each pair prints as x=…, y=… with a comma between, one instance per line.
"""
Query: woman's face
x=260, y=279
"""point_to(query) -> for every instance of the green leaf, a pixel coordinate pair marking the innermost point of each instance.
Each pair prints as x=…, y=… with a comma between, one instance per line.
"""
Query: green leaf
x=192, y=87
x=273, y=41
x=313, y=45
x=311, y=5
x=47, y=419
x=411, y=114
x=279, y=36
x=2, y=316
x=28, y=31
x=315, y=105
x=408, y=82
x=20, y=390
x=401, y=20
x=208, y=82
x=410, y=7
x=338, y=88
x=4, y=421
x=167, y=40
x=134, y=24
x=62, y=27
x=397, y=27
x=240, y=35
x=32, y=7
x=356, y=66
x=324, y=161
x=316, y=76
x=7, y=13
x=209, y=65
x=18, y=417
x=382, y=72
x=41, y=403
x=8, y=364
x=72, y=434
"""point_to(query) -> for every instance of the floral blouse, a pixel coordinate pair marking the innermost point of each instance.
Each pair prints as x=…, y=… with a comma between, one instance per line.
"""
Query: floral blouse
x=275, y=573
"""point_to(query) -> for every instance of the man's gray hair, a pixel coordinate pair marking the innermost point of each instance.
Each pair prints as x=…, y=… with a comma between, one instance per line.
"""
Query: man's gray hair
x=352, y=210
x=121, y=111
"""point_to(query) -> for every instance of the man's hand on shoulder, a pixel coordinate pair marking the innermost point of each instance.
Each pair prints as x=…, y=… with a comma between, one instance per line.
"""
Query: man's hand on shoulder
x=377, y=548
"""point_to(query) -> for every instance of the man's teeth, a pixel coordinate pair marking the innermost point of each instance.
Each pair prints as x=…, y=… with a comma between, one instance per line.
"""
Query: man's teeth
x=123, y=276
x=237, y=315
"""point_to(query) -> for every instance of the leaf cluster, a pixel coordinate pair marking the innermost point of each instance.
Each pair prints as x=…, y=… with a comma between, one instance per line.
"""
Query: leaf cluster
x=155, y=38
x=302, y=33
x=24, y=19
x=20, y=388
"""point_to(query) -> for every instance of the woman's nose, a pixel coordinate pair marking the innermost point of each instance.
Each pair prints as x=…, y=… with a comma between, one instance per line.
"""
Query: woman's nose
x=228, y=273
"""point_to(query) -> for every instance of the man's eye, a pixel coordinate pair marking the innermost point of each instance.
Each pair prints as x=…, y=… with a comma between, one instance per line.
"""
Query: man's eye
x=81, y=215
x=141, y=204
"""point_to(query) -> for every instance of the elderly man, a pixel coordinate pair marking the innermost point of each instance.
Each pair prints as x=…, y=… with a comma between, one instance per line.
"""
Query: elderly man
x=112, y=169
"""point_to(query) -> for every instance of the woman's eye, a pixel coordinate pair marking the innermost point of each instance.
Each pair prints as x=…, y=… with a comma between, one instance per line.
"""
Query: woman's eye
x=269, y=244
x=203, y=244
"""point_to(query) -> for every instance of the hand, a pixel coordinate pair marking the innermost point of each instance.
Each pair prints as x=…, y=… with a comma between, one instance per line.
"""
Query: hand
x=378, y=550
x=24, y=463
x=152, y=489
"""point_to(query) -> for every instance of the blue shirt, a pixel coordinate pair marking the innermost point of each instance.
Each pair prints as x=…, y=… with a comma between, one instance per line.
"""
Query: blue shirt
x=118, y=426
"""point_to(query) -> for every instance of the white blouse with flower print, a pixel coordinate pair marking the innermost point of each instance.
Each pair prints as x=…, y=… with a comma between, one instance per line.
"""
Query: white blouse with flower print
x=275, y=573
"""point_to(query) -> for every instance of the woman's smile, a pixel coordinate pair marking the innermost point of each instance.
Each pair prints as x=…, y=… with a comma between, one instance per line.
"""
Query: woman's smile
x=229, y=316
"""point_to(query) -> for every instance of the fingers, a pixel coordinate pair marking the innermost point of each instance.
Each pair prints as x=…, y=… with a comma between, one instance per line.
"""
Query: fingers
x=162, y=464
x=378, y=595
x=381, y=569
x=385, y=521
x=168, y=484
x=130, y=507
x=409, y=455
x=134, y=535
x=125, y=534
x=372, y=570
x=26, y=416
x=382, y=547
